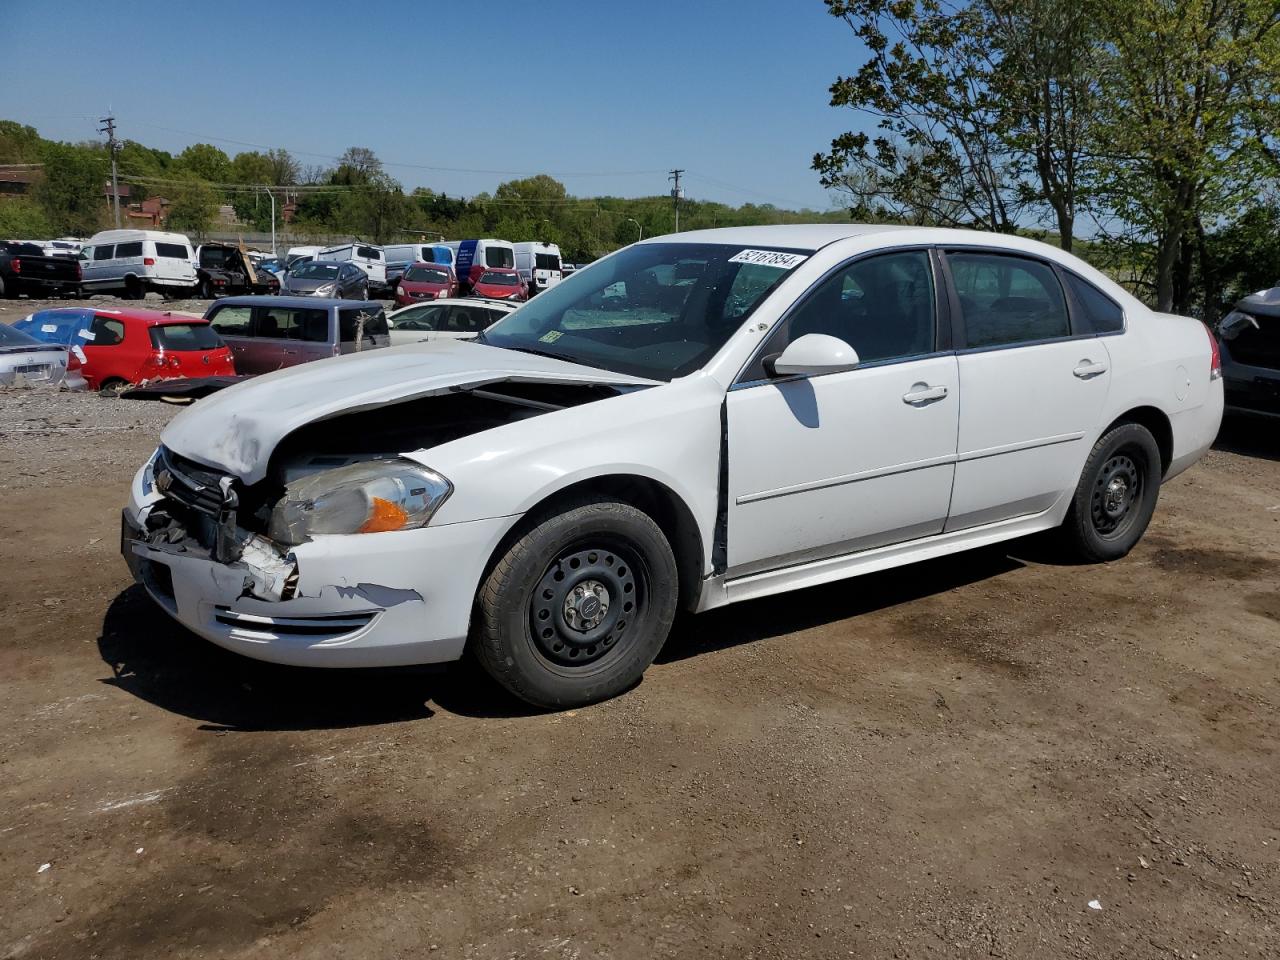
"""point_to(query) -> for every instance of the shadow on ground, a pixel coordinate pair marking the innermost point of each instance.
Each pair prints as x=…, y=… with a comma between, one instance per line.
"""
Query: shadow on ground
x=1249, y=437
x=159, y=661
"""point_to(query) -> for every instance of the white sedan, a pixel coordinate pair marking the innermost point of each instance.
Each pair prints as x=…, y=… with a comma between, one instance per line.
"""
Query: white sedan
x=447, y=318
x=692, y=421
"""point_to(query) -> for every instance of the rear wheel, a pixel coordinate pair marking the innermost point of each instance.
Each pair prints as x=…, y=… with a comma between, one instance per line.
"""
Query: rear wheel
x=6, y=292
x=205, y=290
x=1116, y=496
x=578, y=607
x=133, y=288
x=112, y=387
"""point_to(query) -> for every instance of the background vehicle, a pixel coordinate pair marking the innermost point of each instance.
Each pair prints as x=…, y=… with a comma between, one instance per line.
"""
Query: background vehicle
x=1249, y=339
x=363, y=255
x=316, y=278
x=24, y=268
x=400, y=256
x=62, y=247
x=500, y=285
x=473, y=257
x=36, y=362
x=273, y=265
x=120, y=347
x=539, y=265
x=133, y=262
x=267, y=333
x=298, y=255
x=225, y=269
x=426, y=281
x=445, y=319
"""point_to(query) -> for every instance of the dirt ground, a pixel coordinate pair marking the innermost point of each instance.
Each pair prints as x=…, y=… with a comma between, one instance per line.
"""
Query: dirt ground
x=949, y=760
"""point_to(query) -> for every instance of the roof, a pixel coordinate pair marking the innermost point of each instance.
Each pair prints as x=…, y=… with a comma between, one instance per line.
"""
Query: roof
x=116, y=236
x=801, y=236
x=149, y=317
x=266, y=300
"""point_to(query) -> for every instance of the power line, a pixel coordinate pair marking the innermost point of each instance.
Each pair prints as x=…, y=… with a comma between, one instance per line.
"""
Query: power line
x=109, y=128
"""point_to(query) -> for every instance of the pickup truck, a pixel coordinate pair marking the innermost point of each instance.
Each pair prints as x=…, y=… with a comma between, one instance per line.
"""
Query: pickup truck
x=224, y=269
x=25, y=269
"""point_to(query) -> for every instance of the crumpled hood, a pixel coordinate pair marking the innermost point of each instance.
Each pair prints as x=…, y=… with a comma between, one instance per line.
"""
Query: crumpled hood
x=237, y=429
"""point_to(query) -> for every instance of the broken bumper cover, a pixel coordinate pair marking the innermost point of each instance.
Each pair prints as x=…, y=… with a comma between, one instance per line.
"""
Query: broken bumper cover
x=366, y=600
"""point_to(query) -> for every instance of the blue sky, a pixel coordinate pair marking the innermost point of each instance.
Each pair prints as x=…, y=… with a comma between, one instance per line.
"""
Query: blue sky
x=735, y=91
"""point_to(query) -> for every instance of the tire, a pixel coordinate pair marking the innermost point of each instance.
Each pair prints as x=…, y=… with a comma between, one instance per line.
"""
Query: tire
x=133, y=289
x=112, y=387
x=1116, y=496
x=364, y=291
x=541, y=629
x=204, y=291
x=6, y=293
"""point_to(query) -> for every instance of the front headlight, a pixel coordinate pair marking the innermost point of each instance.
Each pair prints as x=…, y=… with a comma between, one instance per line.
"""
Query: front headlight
x=325, y=290
x=362, y=498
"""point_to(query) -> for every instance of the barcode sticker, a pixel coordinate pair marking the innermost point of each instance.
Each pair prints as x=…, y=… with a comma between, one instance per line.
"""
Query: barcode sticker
x=769, y=258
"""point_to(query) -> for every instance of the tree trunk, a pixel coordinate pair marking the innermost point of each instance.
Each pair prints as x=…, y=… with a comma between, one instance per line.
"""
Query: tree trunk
x=1166, y=259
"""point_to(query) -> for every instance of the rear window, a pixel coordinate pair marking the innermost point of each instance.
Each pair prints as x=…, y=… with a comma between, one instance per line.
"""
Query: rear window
x=128, y=250
x=499, y=257
x=427, y=275
x=23, y=249
x=500, y=279
x=55, y=326
x=375, y=323
x=185, y=336
x=546, y=261
x=175, y=251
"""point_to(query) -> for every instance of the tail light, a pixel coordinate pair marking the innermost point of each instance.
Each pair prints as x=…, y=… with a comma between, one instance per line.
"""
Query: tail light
x=15, y=265
x=1215, y=357
x=73, y=361
x=79, y=271
x=148, y=261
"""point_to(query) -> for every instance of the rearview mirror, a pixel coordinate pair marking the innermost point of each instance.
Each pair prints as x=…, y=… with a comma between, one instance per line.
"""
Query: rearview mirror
x=812, y=355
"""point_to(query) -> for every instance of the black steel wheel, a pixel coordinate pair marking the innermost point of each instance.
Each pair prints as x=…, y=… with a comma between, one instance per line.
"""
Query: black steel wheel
x=1116, y=495
x=576, y=608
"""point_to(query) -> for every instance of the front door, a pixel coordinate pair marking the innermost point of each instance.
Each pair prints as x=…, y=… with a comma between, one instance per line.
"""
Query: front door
x=1034, y=389
x=830, y=465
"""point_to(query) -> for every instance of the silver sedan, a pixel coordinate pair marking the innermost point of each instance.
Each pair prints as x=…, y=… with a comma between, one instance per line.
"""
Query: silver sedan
x=25, y=360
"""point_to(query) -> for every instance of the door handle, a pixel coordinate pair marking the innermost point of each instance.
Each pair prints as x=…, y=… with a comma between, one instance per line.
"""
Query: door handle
x=922, y=394
x=1086, y=369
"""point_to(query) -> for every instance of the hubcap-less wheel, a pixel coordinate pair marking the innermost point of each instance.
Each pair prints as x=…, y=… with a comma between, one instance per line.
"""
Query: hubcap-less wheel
x=1117, y=489
x=584, y=604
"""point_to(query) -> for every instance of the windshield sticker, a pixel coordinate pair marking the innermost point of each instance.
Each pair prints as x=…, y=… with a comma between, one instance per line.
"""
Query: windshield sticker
x=551, y=336
x=88, y=334
x=48, y=328
x=770, y=258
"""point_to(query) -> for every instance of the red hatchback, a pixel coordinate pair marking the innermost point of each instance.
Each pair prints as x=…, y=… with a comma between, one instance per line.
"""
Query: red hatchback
x=499, y=283
x=121, y=347
x=426, y=281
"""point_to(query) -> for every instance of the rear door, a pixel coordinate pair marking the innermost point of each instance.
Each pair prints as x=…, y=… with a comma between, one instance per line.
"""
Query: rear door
x=362, y=328
x=1033, y=388
x=174, y=263
x=234, y=324
x=287, y=336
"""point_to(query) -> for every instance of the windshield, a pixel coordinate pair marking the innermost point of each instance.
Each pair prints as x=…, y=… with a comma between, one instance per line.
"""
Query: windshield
x=500, y=279
x=311, y=270
x=427, y=275
x=499, y=257
x=10, y=337
x=56, y=326
x=658, y=310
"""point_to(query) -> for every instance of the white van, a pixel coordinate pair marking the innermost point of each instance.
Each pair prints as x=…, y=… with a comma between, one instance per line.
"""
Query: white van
x=473, y=257
x=365, y=256
x=539, y=265
x=300, y=255
x=135, y=261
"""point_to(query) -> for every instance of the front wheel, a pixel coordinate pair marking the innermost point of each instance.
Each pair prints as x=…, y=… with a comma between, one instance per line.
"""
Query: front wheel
x=577, y=608
x=1116, y=496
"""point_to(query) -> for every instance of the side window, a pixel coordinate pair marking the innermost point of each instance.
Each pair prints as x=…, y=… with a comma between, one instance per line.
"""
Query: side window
x=467, y=319
x=423, y=318
x=1100, y=314
x=369, y=253
x=106, y=332
x=124, y=250
x=103, y=253
x=349, y=323
x=232, y=321
x=286, y=323
x=1007, y=300
x=882, y=306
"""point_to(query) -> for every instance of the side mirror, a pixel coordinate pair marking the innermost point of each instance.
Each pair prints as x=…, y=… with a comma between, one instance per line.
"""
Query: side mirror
x=812, y=355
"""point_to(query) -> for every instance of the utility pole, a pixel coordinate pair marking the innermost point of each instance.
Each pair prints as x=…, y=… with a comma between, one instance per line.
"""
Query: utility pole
x=273, y=220
x=676, y=194
x=109, y=128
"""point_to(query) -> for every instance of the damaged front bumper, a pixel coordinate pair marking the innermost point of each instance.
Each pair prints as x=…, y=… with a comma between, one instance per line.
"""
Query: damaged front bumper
x=366, y=600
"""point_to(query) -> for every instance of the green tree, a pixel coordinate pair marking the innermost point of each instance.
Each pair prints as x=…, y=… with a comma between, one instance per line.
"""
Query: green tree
x=19, y=143
x=22, y=217
x=205, y=161
x=192, y=206
x=71, y=193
